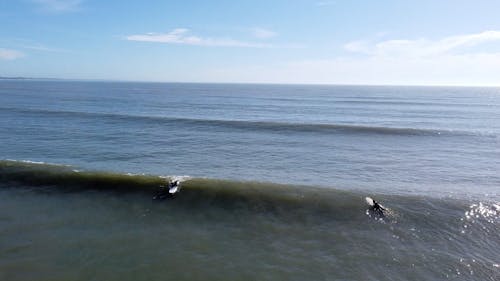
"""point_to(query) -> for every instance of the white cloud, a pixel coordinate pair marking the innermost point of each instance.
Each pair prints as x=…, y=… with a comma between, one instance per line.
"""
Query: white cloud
x=325, y=3
x=181, y=36
x=470, y=69
x=357, y=47
x=422, y=47
x=59, y=5
x=27, y=44
x=42, y=48
x=447, y=61
x=262, y=33
x=6, y=54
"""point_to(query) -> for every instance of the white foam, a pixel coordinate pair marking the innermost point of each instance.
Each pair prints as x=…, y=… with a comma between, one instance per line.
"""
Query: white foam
x=176, y=178
x=28, y=161
x=37, y=162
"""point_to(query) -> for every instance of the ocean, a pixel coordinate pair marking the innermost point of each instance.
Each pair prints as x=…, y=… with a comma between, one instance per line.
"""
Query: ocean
x=274, y=180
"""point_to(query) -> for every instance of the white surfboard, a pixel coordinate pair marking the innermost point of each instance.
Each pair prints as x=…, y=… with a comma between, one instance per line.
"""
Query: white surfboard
x=369, y=201
x=174, y=188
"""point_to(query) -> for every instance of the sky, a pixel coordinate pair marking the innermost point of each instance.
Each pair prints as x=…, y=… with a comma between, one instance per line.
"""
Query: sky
x=383, y=42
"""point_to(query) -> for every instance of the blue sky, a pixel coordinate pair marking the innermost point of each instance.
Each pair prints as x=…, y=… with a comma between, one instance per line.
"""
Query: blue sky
x=401, y=42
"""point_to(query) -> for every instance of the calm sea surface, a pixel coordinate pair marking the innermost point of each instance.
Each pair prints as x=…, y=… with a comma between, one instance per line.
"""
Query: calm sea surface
x=274, y=182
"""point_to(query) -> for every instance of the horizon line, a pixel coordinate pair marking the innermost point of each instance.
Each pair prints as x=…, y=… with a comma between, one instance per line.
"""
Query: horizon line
x=24, y=78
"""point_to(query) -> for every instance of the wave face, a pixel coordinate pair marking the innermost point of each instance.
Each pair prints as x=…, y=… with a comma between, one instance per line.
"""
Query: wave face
x=224, y=193
x=423, y=237
x=61, y=176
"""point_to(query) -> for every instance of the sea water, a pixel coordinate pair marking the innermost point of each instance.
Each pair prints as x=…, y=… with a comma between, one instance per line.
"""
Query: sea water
x=274, y=180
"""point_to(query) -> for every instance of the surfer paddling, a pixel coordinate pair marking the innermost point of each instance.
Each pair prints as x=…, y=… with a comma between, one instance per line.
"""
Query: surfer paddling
x=376, y=209
x=168, y=191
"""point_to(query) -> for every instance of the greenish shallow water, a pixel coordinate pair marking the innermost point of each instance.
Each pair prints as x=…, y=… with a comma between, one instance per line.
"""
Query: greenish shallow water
x=54, y=233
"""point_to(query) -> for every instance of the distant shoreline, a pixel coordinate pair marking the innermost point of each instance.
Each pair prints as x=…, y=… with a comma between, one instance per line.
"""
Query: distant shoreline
x=14, y=78
x=32, y=78
x=21, y=78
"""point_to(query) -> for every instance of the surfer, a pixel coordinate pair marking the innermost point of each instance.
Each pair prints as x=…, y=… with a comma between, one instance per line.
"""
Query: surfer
x=174, y=186
x=375, y=208
x=167, y=191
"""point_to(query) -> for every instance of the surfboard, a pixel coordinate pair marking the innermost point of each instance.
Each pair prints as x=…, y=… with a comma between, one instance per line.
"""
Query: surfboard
x=369, y=201
x=174, y=189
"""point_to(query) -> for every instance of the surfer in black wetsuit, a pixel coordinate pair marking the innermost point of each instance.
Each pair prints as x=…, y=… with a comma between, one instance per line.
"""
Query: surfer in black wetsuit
x=164, y=191
x=377, y=209
x=174, y=184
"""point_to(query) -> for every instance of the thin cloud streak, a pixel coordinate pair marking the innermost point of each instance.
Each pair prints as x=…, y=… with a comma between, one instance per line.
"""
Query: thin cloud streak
x=59, y=6
x=262, y=33
x=27, y=44
x=43, y=48
x=325, y=3
x=180, y=36
x=7, y=54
